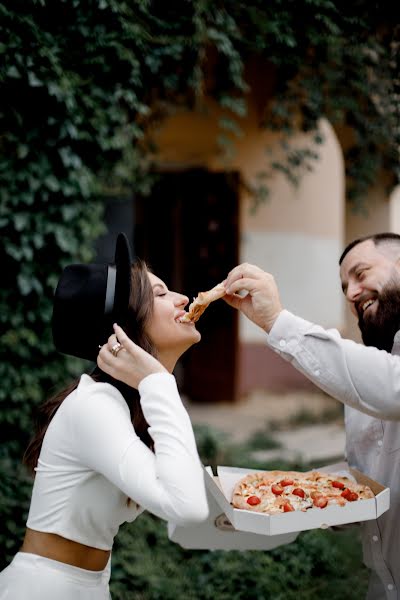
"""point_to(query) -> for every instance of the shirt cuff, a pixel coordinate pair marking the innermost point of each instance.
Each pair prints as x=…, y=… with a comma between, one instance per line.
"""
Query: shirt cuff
x=287, y=331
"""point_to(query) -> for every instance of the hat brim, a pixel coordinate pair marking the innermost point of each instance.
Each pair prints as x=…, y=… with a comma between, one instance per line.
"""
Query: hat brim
x=123, y=262
x=83, y=302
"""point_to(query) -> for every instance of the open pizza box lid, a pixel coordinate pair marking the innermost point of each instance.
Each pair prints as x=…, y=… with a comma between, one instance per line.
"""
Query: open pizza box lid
x=217, y=532
x=221, y=488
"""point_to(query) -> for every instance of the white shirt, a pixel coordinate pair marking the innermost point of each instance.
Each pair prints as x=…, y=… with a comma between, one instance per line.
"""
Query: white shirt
x=92, y=461
x=367, y=381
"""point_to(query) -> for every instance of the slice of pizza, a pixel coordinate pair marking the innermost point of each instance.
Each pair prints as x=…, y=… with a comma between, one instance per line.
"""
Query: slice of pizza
x=199, y=304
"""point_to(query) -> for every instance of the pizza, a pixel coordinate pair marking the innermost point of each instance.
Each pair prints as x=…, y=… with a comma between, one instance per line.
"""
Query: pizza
x=199, y=304
x=273, y=492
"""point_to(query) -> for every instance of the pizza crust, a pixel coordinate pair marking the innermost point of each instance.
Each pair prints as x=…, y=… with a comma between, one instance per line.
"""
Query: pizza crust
x=199, y=304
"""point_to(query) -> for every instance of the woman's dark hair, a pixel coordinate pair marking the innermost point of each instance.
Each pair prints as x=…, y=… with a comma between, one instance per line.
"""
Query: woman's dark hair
x=140, y=310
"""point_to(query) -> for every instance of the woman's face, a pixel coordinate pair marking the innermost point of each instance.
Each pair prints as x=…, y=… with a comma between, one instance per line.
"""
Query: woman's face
x=170, y=337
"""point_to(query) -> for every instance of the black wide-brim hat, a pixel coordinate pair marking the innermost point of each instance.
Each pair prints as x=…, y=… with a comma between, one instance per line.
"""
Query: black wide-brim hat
x=88, y=299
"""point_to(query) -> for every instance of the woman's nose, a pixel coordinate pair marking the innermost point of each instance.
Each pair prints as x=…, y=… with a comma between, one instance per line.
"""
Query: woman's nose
x=182, y=300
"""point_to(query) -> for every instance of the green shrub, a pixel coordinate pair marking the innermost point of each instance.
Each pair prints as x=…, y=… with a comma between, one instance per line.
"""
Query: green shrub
x=318, y=564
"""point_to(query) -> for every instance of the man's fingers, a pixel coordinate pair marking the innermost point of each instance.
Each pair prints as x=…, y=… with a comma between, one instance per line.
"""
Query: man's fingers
x=244, y=284
x=243, y=271
x=234, y=301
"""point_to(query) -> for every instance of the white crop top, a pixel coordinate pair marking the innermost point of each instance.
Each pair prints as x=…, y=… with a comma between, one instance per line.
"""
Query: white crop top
x=92, y=461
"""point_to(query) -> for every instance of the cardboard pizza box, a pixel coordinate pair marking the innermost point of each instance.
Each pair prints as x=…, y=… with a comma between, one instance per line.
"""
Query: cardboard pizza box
x=217, y=533
x=221, y=488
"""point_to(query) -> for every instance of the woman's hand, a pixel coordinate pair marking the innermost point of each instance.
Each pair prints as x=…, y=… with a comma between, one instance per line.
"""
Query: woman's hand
x=130, y=363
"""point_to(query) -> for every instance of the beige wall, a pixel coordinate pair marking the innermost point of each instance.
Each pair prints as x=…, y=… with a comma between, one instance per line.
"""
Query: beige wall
x=298, y=233
x=189, y=139
x=372, y=218
x=315, y=207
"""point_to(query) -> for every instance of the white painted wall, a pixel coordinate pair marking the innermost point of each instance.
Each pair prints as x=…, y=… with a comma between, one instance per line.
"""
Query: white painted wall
x=298, y=236
x=306, y=271
x=394, y=210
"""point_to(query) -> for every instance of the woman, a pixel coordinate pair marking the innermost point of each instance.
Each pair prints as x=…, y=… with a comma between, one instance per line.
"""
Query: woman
x=116, y=442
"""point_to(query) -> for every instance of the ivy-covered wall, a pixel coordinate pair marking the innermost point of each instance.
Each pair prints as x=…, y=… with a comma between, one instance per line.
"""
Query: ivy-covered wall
x=81, y=80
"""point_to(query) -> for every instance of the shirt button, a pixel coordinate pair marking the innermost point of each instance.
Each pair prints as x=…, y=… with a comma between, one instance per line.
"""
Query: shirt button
x=380, y=442
x=317, y=373
x=375, y=538
x=390, y=586
x=282, y=343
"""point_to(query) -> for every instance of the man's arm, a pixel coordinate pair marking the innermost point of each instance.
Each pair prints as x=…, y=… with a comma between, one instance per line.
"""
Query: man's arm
x=364, y=378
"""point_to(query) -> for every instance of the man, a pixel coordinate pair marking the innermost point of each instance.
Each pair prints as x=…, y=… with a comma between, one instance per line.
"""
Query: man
x=366, y=378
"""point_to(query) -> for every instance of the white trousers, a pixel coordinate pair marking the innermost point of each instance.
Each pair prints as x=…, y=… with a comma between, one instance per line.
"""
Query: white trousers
x=32, y=577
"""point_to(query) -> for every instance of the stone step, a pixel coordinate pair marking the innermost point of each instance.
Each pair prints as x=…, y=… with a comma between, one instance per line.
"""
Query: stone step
x=306, y=444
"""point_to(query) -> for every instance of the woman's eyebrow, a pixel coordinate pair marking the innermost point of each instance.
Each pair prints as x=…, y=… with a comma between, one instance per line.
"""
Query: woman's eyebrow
x=160, y=285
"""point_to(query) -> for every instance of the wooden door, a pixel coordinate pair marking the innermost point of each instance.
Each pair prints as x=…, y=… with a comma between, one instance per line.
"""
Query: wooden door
x=188, y=232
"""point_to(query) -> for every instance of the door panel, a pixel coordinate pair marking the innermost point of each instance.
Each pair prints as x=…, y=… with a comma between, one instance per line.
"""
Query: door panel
x=188, y=232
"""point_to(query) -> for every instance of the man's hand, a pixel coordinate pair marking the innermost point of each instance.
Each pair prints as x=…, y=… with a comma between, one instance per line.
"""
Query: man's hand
x=261, y=304
x=131, y=364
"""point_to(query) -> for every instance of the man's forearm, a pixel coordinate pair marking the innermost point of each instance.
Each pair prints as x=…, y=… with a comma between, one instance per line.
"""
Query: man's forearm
x=364, y=378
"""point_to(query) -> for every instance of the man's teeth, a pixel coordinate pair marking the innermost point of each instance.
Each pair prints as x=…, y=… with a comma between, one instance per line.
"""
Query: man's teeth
x=367, y=303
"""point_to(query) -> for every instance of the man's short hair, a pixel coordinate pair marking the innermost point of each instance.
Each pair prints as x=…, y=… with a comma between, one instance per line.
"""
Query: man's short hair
x=377, y=238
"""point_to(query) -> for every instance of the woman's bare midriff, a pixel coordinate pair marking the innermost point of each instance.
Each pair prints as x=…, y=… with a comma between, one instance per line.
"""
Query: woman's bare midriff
x=66, y=551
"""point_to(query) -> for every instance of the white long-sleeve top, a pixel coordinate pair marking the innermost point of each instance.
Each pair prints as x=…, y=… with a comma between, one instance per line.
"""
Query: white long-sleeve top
x=92, y=461
x=367, y=381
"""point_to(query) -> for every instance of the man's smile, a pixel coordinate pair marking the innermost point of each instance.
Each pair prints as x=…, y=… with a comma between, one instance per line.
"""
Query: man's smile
x=364, y=306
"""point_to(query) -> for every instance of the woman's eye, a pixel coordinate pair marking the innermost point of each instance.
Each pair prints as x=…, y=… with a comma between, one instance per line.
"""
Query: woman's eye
x=163, y=294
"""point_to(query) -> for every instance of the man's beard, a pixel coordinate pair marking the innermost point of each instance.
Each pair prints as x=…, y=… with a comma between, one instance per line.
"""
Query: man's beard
x=379, y=329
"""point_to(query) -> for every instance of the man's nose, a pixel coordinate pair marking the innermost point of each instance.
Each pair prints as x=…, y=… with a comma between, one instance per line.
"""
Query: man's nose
x=353, y=291
x=352, y=294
